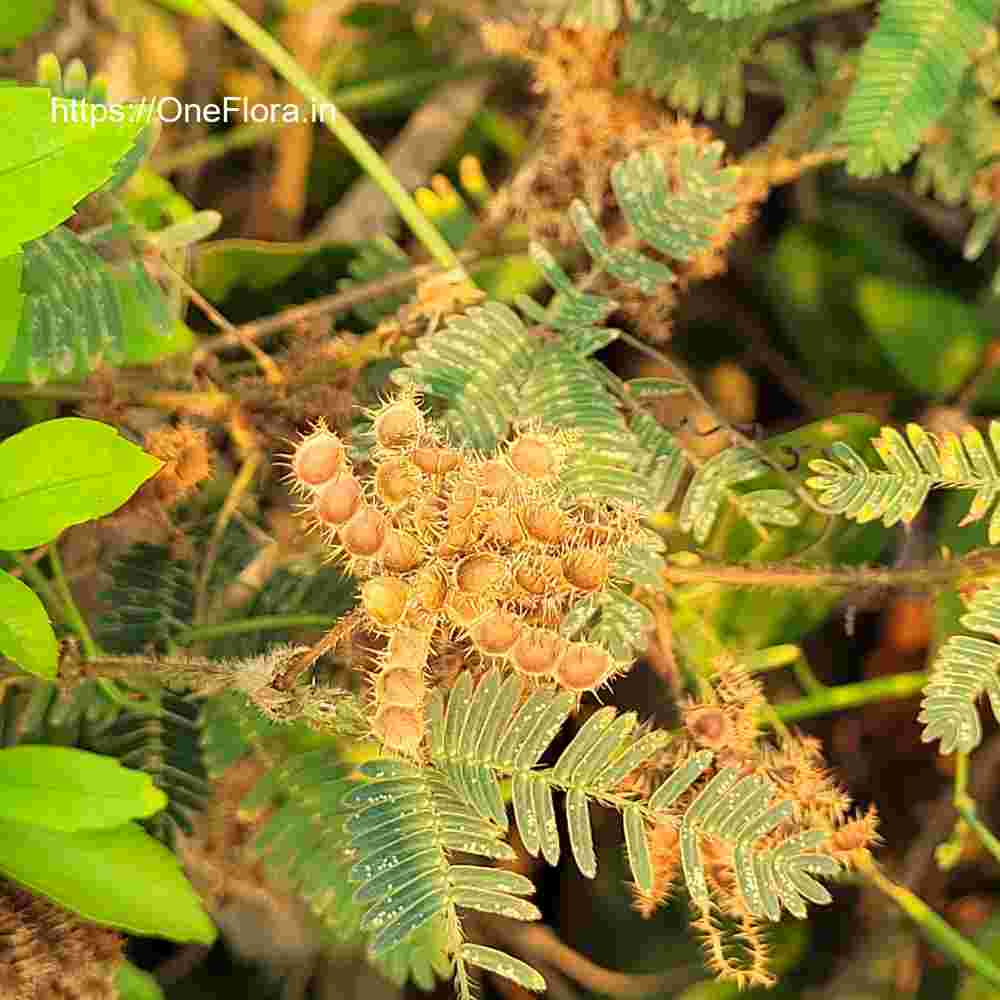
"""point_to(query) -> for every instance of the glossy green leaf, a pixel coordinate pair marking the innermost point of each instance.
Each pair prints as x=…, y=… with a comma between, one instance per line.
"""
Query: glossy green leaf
x=26, y=635
x=121, y=877
x=63, y=472
x=20, y=19
x=63, y=788
x=58, y=159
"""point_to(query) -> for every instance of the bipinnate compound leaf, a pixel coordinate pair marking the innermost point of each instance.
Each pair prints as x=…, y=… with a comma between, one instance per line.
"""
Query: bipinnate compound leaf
x=52, y=149
x=63, y=472
x=63, y=788
x=11, y=303
x=20, y=19
x=121, y=877
x=26, y=635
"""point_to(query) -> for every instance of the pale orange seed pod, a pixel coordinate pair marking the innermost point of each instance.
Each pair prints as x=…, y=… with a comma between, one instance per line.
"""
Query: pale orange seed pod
x=583, y=667
x=385, y=599
x=497, y=632
x=399, y=728
x=537, y=652
x=318, y=459
x=365, y=533
x=399, y=424
x=338, y=501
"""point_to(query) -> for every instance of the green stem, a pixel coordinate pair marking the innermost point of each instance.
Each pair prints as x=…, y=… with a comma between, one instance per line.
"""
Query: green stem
x=348, y=99
x=965, y=805
x=265, y=623
x=835, y=699
x=75, y=620
x=42, y=586
x=934, y=927
x=355, y=143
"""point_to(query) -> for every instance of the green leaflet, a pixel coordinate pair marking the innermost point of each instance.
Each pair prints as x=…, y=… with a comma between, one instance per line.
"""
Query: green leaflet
x=914, y=465
x=63, y=472
x=964, y=669
x=121, y=877
x=909, y=73
x=62, y=788
x=26, y=636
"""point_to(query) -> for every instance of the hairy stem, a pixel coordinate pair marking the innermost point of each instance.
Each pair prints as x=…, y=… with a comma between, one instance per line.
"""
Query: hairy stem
x=355, y=143
x=790, y=576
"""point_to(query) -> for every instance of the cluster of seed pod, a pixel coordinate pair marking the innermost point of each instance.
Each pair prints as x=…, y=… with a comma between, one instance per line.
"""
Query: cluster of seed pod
x=485, y=551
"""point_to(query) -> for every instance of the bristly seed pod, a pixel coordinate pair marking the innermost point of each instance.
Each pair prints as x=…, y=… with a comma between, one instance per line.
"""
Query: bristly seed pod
x=318, y=458
x=464, y=611
x=495, y=479
x=396, y=481
x=534, y=457
x=583, y=667
x=481, y=573
x=402, y=687
x=540, y=576
x=399, y=424
x=401, y=552
x=408, y=649
x=497, y=632
x=365, y=533
x=709, y=726
x=463, y=501
x=503, y=528
x=431, y=589
x=399, y=728
x=436, y=461
x=385, y=599
x=338, y=501
x=537, y=652
x=545, y=524
x=586, y=569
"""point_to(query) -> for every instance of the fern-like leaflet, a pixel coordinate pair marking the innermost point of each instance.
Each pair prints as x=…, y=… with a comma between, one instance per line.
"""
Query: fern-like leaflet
x=909, y=74
x=411, y=818
x=964, y=669
x=914, y=465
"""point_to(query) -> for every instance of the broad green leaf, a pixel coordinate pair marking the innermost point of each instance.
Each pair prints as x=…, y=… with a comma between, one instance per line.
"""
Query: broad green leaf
x=134, y=984
x=64, y=472
x=933, y=339
x=26, y=635
x=11, y=303
x=21, y=18
x=121, y=877
x=58, y=160
x=63, y=788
